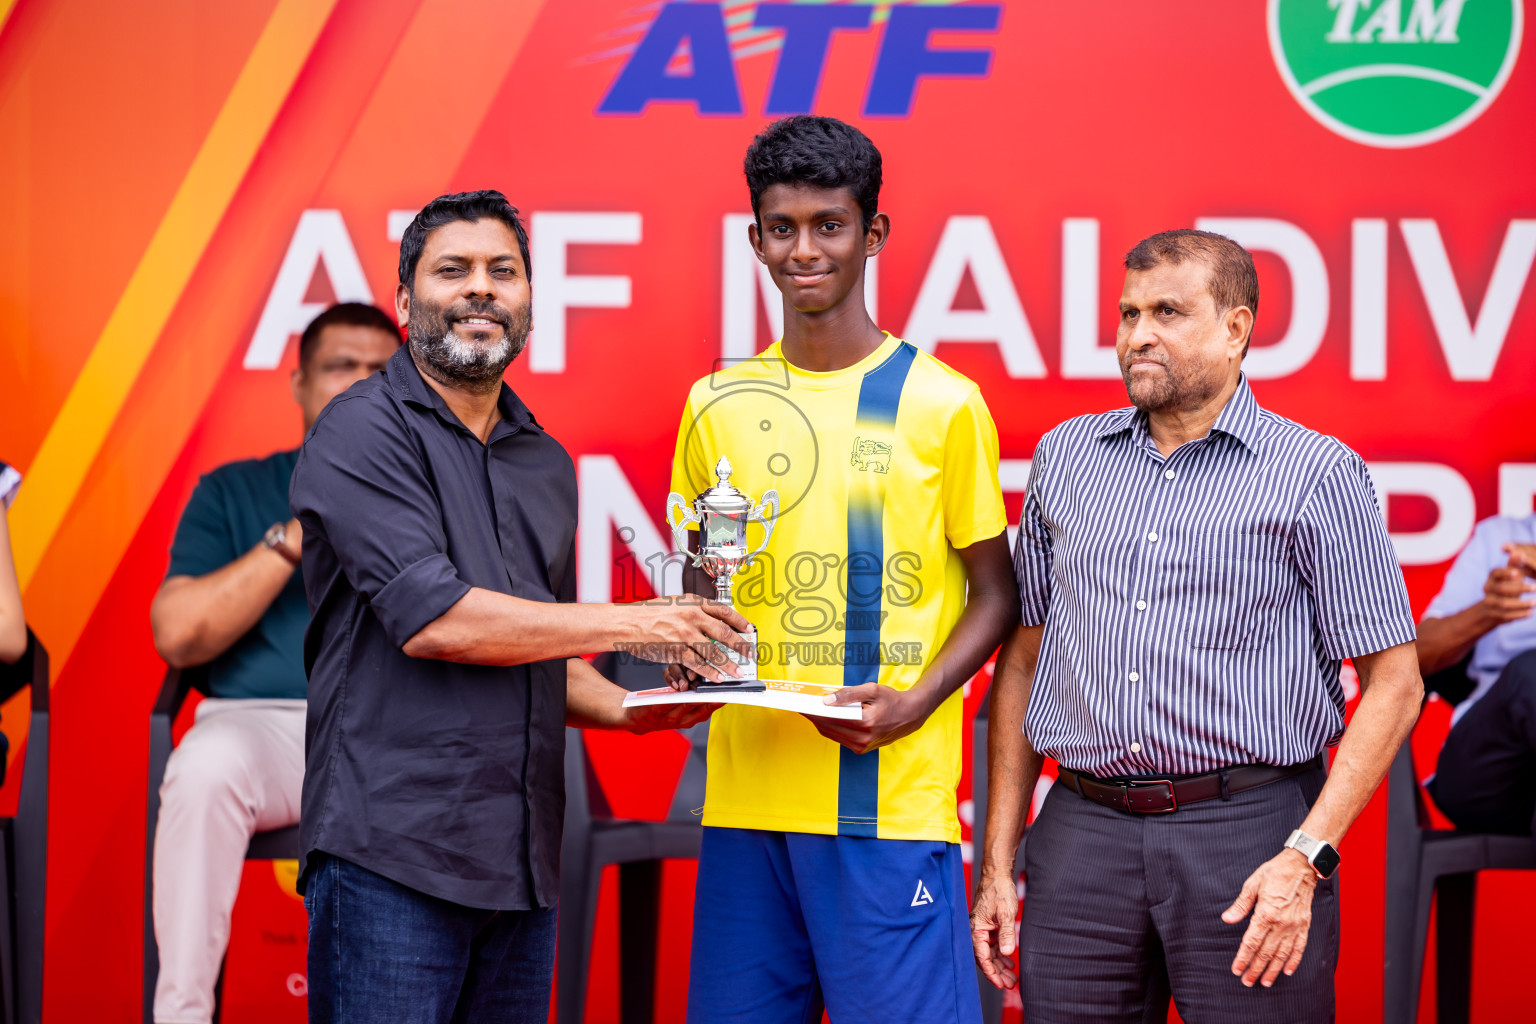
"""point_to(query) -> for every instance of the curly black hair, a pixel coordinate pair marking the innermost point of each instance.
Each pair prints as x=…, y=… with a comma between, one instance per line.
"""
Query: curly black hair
x=819, y=151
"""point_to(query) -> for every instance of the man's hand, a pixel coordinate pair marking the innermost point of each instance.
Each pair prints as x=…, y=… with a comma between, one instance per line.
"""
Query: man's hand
x=994, y=928
x=689, y=631
x=1522, y=557
x=656, y=717
x=592, y=702
x=889, y=714
x=1507, y=588
x=1280, y=895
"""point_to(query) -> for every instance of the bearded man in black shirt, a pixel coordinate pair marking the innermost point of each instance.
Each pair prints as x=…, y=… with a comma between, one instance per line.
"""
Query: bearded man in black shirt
x=444, y=651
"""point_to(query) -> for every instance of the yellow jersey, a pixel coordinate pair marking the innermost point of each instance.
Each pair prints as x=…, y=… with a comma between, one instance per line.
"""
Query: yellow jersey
x=883, y=469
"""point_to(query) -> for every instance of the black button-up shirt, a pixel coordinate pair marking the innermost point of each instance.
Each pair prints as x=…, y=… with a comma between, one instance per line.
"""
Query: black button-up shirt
x=443, y=777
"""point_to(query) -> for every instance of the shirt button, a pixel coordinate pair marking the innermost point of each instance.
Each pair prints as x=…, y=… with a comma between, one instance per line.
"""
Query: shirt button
x=1169, y=475
x=1135, y=748
x=1141, y=606
x=1152, y=537
x=1134, y=676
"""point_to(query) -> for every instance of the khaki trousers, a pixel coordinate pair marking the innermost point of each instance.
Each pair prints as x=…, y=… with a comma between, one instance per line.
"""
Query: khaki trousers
x=237, y=771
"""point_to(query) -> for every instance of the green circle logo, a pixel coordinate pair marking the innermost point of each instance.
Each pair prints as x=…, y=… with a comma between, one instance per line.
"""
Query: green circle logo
x=1395, y=73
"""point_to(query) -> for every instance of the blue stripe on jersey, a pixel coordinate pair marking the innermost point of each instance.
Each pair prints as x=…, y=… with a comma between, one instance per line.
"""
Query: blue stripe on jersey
x=858, y=784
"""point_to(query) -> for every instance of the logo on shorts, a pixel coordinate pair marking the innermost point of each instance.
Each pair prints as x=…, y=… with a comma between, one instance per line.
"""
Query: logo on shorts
x=1395, y=73
x=870, y=455
x=922, y=897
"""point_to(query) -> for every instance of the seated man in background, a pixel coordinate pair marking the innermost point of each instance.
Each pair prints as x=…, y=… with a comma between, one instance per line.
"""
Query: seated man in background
x=1486, y=778
x=233, y=600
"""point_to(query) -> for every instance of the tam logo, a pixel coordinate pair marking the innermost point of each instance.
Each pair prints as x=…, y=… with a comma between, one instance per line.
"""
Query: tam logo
x=708, y=80
x=1395, y=73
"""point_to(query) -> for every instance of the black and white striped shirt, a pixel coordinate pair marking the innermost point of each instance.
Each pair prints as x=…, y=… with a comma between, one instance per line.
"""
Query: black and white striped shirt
x=1196, y=607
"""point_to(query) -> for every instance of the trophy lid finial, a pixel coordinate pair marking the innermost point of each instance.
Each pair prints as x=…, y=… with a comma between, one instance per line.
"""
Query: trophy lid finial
x=723, y=469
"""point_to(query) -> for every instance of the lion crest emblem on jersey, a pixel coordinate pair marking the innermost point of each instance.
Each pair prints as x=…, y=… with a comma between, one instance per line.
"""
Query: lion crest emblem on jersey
x=870, y=455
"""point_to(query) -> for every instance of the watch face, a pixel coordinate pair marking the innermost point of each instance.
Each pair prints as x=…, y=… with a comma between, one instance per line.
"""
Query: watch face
x=1326, y=862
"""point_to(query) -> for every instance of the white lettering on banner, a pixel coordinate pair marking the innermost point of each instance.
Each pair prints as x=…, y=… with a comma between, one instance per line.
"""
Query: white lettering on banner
x=744, y=280
x=968, y=242
x=1013, y=475
x=1456, y=509
x=1428, y=22
x=1344, y=22
x=1082, y=357
x=321, y=237
x=1368, y=300
x=1517, y=489
x=872, y=288
x=1471, y=351
x=1042, y=790
x=555, y=291
x=1448, y=489
x=1387, y=20
x=1309, y=290
x=607, y=501
x=397, y=221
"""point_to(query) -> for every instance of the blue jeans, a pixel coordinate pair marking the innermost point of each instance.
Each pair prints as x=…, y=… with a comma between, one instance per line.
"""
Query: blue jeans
x=383, y=953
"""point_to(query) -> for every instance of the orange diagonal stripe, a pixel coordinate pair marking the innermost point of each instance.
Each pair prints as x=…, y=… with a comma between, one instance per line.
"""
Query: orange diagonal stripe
x=178, y=244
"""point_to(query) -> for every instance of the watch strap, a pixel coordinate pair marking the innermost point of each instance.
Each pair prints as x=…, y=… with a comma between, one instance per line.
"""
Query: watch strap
x=276, y=538
x=1310, y=848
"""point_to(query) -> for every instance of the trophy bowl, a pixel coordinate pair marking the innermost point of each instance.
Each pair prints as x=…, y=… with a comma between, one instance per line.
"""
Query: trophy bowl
x=721, y=514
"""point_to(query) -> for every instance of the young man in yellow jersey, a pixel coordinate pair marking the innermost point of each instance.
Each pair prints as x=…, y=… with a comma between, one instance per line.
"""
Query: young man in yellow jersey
x=830, y=873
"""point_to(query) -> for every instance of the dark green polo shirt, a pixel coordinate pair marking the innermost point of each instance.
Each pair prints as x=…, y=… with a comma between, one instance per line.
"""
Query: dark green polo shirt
x=229, y=511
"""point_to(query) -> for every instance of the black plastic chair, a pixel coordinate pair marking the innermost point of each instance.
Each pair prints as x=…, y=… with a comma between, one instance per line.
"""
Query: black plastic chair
x=1422, y=863
x=24, y=850
x=594, y=838
x=991, y=998
x=278, y=844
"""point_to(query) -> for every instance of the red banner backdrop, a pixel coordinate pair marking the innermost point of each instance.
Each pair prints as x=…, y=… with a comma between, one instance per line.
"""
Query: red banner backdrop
x=185, y=186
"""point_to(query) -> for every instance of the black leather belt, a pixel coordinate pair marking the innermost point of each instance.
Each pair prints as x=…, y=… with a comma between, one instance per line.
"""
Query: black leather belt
x=1162, y=796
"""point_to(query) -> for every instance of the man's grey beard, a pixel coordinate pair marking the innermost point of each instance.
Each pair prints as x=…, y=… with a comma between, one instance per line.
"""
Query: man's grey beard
x=1174, y=391
x=451, y=360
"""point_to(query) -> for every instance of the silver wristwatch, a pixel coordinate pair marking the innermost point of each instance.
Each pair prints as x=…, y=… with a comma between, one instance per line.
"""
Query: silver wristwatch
x=1322, y=856
x=276, y=539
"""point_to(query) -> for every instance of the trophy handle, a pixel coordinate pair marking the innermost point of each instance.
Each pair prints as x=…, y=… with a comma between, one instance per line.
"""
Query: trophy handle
x=757, y=516
x=680, y=527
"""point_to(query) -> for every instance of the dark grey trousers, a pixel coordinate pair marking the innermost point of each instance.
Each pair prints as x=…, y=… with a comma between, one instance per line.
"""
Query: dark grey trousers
x=1486, y=778
x=1122, y=910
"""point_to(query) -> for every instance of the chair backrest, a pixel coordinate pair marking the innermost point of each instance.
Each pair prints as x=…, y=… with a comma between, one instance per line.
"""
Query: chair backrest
x=1406, y=809
x=584, y=796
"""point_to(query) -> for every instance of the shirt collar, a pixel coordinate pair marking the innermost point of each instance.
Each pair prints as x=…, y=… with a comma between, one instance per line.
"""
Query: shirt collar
x=1239, y=419
x=409, y=386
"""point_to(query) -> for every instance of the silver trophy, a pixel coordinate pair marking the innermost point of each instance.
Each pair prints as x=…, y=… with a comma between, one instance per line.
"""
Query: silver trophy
x=722, y=514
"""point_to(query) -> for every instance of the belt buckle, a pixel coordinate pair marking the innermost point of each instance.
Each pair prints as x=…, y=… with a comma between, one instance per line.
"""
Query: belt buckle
x=1173, y=799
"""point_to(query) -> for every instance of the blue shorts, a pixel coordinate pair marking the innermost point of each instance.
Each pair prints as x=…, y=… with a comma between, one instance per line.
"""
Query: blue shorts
x=786, y=923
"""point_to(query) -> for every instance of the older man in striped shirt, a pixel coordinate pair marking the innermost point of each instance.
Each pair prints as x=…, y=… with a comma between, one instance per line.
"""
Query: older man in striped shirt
x=1193, y=570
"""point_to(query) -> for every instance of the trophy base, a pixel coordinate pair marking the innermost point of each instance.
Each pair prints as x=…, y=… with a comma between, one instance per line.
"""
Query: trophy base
x=733, y=686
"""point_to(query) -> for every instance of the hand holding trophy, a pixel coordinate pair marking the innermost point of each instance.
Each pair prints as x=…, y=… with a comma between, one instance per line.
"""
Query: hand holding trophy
x=722, y=514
